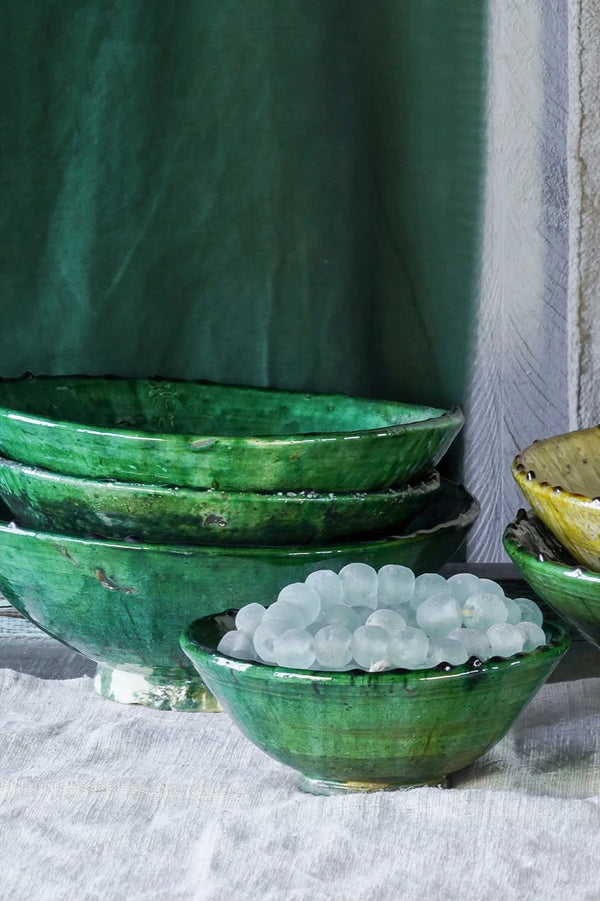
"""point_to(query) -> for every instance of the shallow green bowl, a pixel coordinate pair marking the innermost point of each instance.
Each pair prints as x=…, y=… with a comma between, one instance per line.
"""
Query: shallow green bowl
x=124, y=605
x=573, y=592
x=201, y=435
x=54, y=502
x=360, y=731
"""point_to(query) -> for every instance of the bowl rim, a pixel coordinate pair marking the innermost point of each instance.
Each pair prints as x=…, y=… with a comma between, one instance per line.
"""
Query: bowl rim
x=461, y=520
x=571, y=569
x=424, y=484
x=450, y=419
x=556, y=647
x=524, y=476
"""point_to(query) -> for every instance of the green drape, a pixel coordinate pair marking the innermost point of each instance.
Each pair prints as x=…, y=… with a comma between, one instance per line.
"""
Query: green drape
x=272, y=192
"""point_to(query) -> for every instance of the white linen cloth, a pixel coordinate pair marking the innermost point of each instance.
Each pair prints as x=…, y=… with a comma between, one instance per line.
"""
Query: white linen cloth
x=103, y=801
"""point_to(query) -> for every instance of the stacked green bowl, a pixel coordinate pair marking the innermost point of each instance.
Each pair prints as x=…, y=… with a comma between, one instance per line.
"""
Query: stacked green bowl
x=142, y=504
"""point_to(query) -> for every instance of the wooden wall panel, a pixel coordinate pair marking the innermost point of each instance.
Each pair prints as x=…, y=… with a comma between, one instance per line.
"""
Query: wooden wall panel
x=518, y=379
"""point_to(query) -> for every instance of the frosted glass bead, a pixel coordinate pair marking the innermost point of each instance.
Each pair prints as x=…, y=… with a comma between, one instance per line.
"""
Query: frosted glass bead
x=505, y=640
x=390, y=620
x=249, y=618
x=438, y=615
x=530, y=612
x=450, y=651
x=513, y=610
x=333, y=647
x=396, y=585
x=463, y=585
x=481, y=611
x=369, y=645
x=425, y=585
x=408, y=648
x=362, y=613
x=475, y=641
x=294, y=649
x=341, y=615
x=488, y=586
x=328, y=586
x=289, y=614
x=264, y=639
x=360, y=584
x=533, y=635
x=304, y=598
x=237, y=644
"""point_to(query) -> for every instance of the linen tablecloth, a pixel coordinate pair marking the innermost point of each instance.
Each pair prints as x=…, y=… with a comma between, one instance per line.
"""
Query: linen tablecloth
x=103, y=801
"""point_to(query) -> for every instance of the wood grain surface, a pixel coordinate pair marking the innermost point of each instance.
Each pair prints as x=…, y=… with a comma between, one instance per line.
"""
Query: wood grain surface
x=518, y=383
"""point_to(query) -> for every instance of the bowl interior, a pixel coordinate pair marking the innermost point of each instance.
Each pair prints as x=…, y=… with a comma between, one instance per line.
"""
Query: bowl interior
x=199, y=408
x=529, y=535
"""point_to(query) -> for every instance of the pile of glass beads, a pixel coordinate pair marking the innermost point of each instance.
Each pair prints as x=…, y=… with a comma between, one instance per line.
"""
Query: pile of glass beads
x=363, y=619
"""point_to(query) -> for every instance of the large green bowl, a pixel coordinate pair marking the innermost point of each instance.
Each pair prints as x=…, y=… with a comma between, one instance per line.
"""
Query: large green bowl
x=368, y=731
x=202, y=435
x=124, y=605
x=55, y=502
x=571, y=590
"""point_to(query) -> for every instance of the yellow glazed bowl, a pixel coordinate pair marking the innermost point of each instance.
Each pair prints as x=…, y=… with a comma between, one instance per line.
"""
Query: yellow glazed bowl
x=560, y=477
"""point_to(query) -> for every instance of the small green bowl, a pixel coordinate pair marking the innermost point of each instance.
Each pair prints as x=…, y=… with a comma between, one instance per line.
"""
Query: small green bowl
x=560, y=477
x=54, y=502
x=124, y=604
x=357, y=731
x=202, y=435
x=573, y=592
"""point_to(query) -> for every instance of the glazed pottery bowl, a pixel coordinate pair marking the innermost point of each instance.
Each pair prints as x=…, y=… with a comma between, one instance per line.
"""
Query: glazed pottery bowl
x=54, y=502
x=560, y=477
x=124, y=604
x=201, y=435
x=362, y=731
x=554, y=575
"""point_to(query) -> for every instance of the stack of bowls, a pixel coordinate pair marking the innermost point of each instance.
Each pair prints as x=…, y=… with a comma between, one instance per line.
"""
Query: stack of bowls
x=556, y=544
x=142, y=504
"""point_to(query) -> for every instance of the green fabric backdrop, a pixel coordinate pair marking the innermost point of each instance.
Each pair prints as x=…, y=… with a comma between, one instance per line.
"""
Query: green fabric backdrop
x=273, y=192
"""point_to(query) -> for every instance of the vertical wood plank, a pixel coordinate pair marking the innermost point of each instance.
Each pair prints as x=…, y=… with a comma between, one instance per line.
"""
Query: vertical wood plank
x=518, y=381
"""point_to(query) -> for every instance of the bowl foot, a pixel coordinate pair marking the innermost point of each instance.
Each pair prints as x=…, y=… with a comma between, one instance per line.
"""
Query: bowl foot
x=162, y=691
x=329, y=787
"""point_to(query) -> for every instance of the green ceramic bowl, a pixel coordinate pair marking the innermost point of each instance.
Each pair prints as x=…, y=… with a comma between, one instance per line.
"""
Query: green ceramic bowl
x=124, y=605
x=201, y=435
x=560, y=477
x=573, y=592
x=54, y=502
x=347, y=731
